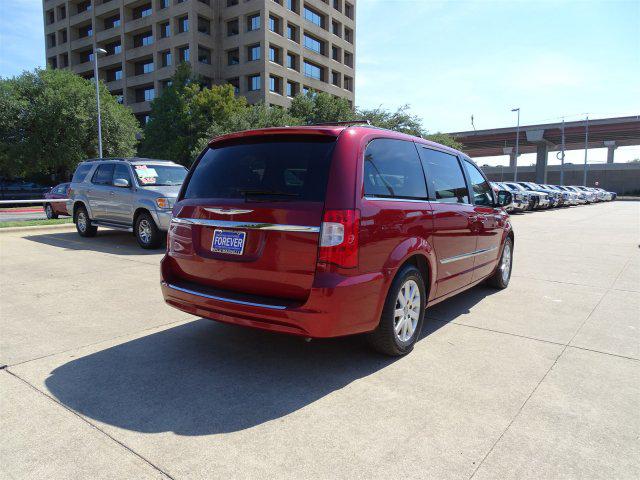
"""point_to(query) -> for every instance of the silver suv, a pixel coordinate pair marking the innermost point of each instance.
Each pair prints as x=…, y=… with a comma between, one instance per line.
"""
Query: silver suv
x=131, y=194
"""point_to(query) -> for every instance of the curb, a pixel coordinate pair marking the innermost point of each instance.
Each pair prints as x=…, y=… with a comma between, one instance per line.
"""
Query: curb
x=37, y=228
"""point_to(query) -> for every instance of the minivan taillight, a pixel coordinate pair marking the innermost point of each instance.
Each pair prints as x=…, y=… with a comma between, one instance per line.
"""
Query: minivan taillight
x=339, y=238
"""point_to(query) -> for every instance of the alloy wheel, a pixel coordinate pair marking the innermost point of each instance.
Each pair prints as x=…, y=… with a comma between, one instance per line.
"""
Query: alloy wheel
x=407, y=311
x=144, y=231
x=505, y=264
x=82, y=221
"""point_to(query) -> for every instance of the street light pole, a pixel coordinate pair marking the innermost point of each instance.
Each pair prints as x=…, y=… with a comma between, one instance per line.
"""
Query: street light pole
x=562, y=156
x=586, y=150
x=515, y=164
x=98, y=51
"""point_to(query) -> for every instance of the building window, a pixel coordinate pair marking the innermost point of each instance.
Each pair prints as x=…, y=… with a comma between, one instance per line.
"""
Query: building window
x=63, y=36
x=183, y=54
x=143, y=39
x=51, y=40
x=142, y=11
x=165, y=30
x=348, y=10
x=292, y=32
x=312, y=70
x=253, y=22
x=112, y=22
x=83, y=6
x=337, y=5
x=313, y=43
x=113, y=48
x=183, y=24
x=233, y=57
x=145, y=94
x=348, y=35
x=254, y=83
x=204, y=25
x=275, y=84
x=253, y=52
x=292, y=5
x=314, y=16
x=348, y=59
x=146, y=66
x=292, y=89
x=165, y=58
x=275, y=25
x=335, y=78
x=348, y=83
x=64, y=60
x=62, y=12
x=204, y=55
x=86, y=31
x=292, y=61
x=163, y=4
x=335, y=54
x=235, y=83
x=336, y=28
x=114, y=74
x=53, y=62
x=275, y=55
x=231, y=3
x=233, y=28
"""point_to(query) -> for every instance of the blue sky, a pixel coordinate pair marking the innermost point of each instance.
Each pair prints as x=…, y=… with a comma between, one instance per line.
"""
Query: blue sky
x=452, y=59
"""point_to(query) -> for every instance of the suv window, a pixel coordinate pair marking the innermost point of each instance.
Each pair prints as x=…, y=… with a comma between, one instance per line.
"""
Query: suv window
x=103, y=174
x=278, y=167
x=482, y=194
x=392, y=169
x=81, y=172
x=122, y=171
x=446, y=177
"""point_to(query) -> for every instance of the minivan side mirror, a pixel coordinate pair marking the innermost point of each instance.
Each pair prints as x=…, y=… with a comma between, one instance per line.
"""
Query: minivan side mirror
x=121, y=182
x=504, y=198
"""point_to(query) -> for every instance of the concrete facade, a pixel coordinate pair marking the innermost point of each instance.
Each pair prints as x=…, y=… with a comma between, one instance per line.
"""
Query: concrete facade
x=270, y=50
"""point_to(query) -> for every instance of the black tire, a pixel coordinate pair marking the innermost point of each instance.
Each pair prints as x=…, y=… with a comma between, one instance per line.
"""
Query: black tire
x=500, y=279
x=146, y=231
x=83, y=223
x=384, y=338
x=48, y=210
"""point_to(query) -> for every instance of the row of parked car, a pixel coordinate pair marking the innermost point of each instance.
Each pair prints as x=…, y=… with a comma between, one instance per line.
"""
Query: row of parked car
x=533, y=196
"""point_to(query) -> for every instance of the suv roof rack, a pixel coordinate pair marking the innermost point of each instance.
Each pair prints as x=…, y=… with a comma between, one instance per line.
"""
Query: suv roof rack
x=344, y=122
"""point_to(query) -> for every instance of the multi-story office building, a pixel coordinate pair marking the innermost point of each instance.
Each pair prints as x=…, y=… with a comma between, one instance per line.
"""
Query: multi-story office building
x=270, y=50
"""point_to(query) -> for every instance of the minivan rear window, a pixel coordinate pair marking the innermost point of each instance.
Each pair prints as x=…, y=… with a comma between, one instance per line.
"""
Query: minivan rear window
x=264, y=168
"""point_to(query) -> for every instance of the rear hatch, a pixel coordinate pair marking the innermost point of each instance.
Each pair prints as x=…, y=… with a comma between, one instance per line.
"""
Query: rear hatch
x=249, y=217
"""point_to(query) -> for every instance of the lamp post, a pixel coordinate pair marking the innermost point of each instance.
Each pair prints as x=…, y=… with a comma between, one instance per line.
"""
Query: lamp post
x=586, y=151
x=515, y=165
x=96, y=52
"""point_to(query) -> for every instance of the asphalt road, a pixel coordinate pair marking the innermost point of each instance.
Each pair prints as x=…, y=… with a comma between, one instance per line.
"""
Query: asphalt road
x=541, y=380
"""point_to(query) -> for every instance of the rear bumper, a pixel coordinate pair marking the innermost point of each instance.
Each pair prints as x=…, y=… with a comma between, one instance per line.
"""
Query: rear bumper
x=337, y=305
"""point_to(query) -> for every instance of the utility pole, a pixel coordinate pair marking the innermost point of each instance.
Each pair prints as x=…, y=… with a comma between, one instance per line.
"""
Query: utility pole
x=562, y=156
x=586, y=151
x=515, y=166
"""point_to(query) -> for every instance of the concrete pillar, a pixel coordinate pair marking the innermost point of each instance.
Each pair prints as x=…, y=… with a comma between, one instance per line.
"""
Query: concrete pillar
x=512, y=159
x=611, y=148
x=542, y=152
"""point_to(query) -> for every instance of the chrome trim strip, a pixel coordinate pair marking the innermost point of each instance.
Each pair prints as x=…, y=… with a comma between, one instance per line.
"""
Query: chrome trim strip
x=222, y=299
x=464, y=256
x=227, y=211
x=393, y=199
x=246, y=225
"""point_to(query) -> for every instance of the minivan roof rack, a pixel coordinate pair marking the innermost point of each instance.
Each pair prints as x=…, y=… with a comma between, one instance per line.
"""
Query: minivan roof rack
x=343, y=122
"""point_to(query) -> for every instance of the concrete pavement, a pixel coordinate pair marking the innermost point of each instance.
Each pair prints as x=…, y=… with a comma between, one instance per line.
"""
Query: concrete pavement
x=541, y=380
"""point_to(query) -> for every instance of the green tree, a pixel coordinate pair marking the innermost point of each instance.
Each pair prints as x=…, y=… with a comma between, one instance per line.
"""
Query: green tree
x=444, y=139
x=401, y=120
x=49, y=124
x=320, y=107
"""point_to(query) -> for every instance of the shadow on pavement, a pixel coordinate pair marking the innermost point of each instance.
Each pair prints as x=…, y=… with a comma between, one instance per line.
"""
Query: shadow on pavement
x=107, y=241
x=452, y=308
x=204, y=377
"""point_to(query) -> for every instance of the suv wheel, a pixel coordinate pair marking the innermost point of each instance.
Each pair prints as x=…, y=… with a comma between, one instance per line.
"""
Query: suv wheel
x=147, y=232
x=83, y=223
x=403, y=314
x=48, y=210
x=502, y=275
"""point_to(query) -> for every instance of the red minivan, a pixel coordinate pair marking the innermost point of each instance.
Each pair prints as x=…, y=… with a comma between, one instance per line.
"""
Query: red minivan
x=324, y=231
